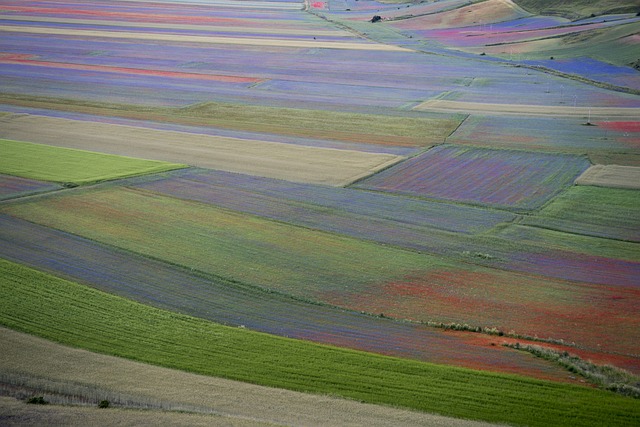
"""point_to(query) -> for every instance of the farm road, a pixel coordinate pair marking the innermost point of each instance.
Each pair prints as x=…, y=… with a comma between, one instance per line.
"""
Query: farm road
x=313, y=165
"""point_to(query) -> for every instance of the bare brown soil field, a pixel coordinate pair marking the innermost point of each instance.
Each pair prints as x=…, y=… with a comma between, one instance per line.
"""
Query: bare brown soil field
x=614, y=176
x=234, y=403
x=177, y=38
x=262, y=158
x=528, y=110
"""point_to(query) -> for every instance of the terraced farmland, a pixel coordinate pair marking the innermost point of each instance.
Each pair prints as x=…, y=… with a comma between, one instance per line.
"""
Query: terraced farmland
x=290, y=195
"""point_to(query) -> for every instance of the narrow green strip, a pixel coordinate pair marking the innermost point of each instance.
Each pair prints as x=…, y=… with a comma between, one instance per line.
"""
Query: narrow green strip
x=80, y=316
x=66, y=165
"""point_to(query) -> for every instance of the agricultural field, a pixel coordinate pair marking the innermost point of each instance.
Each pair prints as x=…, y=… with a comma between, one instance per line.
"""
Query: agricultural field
x=500, y=179
x=281, y=212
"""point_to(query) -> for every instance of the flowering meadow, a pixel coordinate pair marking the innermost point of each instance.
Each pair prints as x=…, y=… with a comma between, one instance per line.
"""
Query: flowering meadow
x=385, y=202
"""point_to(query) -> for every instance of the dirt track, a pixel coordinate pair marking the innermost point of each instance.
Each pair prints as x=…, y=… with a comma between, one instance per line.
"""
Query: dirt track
x=529, y=110
x=236, y=403
x=262, y=158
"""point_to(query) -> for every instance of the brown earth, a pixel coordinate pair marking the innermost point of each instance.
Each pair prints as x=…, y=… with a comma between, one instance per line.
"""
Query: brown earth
x=261, y=158
x=234, y=403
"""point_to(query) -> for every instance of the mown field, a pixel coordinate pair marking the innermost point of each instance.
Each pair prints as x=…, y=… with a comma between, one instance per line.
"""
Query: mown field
x=290, y=195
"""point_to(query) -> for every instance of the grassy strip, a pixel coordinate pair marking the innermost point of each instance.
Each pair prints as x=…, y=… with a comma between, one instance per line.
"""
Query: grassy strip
x=352, y=127
x=605, y=376
x=70, y=166
x=76, y=315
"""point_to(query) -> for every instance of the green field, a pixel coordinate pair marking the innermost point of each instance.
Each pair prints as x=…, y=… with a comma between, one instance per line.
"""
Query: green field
x=69, y=166
x=77, y=315
x=596, y=211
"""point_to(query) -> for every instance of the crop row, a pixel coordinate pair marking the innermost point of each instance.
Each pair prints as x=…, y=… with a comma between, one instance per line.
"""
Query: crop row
x=77, y=315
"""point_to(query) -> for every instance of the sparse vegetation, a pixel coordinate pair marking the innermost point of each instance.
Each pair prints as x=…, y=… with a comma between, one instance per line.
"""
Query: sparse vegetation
x=607, y=377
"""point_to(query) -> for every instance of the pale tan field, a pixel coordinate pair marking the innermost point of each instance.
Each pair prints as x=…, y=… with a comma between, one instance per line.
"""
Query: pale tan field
x=529, y=110
x=178, y=38
x=234, y=403
x=16, y=413
x=261, y=158
x=613, y=176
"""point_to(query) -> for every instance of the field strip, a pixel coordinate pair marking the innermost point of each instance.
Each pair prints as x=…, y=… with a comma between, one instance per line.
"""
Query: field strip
x=179, y=38
x=229, y=3
x=613, y=176
x=133, y=71
x=177, y=26
x=262, y=158
x=520, y=109
x=128, y=70
x=230, y=399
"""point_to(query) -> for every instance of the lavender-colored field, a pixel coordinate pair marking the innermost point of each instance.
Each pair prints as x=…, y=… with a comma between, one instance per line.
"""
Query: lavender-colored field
x=13, y=186
x=505, y=179
x=594, y=70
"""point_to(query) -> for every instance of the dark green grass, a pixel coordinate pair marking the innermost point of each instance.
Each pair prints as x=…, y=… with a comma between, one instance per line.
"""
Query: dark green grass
x=70, y=166
x=80, y=316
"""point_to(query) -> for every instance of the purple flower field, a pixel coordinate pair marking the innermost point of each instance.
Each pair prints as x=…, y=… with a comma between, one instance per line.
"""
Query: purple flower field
x=504, y=179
